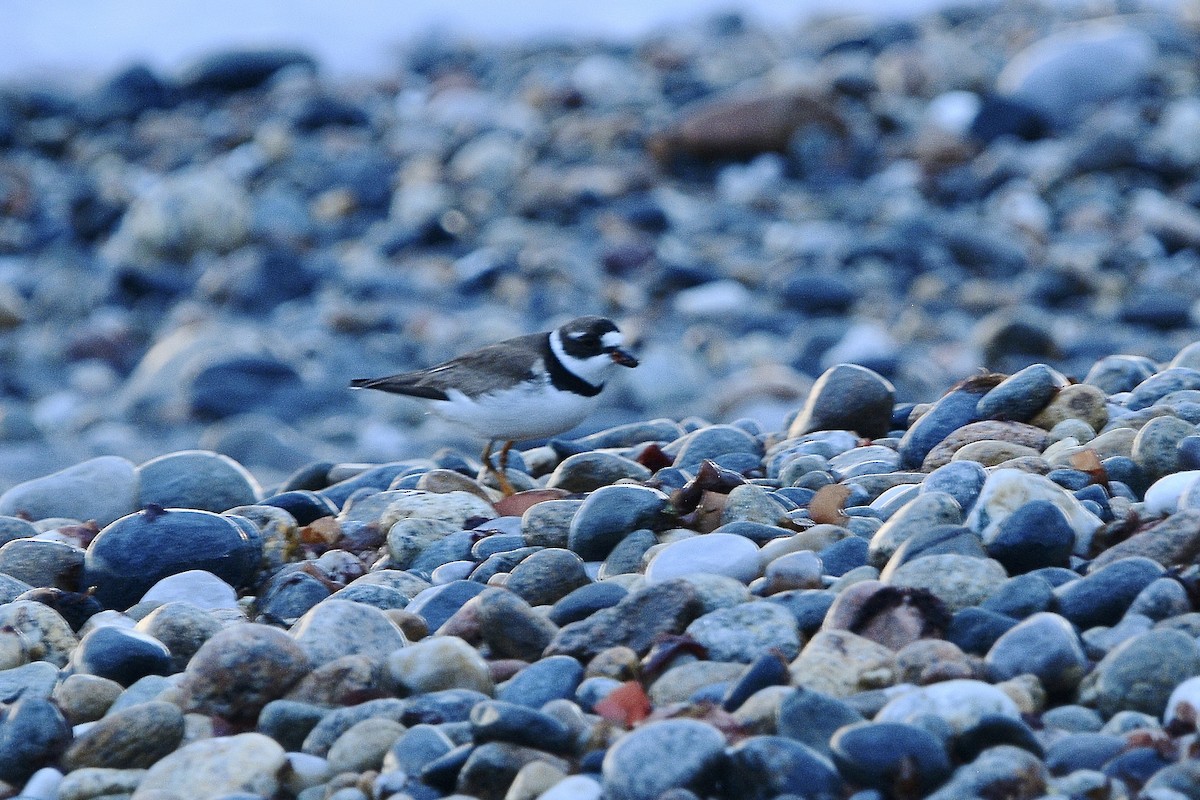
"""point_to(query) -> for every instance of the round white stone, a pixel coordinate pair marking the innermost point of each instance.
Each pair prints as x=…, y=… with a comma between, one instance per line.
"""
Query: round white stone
x=713, y=553
x=195, y=586
x=1163, y=496
x=961, y=703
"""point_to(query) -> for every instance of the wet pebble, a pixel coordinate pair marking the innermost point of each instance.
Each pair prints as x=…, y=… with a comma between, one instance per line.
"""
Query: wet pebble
x=120, y=654
x=135, y=552
x=847, y=397
x=611, y=513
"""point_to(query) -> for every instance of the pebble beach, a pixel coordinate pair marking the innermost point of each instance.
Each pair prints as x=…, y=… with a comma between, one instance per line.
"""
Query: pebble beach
x=902, y=502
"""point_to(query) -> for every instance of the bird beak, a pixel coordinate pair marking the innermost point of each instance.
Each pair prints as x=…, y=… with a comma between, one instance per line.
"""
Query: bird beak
x=622, y=357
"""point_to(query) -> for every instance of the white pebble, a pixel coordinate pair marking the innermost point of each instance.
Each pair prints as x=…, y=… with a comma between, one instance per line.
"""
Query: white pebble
x=716, y=553
x=1163, y=496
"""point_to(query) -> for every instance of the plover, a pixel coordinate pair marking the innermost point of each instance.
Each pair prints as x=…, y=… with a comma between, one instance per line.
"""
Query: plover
x=528, y=387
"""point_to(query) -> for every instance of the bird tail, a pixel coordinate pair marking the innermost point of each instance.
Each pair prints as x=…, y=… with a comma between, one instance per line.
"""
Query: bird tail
x=399, y=384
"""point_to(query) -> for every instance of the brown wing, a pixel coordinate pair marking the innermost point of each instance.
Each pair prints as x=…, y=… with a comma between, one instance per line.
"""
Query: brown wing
x=473, y=374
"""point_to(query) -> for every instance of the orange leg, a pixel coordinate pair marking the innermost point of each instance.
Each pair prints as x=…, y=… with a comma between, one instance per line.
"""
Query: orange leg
x=501, y=478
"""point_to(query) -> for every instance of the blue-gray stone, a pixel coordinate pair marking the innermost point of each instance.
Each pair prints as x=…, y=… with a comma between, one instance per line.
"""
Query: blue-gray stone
x=553, y=678
x=372, y=594
x=499, y=721
x=842, y=556
x=547, y=576
x=808, y=606
x=305, y=506
x=713, y=441
x=1154, y=388
x=1085, y=750
x=769, y=669
x=438, y=603
x=938, y=540
x=417, y=747
x=975, y=630
x=137, y=551
x=765, y=767
x=120, y=654
x=847, y=397
x=33, y=733
x=42, y=562
x=290, y=595
x=954, y=410
x=1102, y=597
x=455, y=547
x=610, y=514
x=992, y=730
x=811, y=717
x=496, y=543
x=585, y=601
x=1021, y=596
x=962, y=480
x=289, y=722
x=1114, y=374
x=1020, y=396
x=1044, y=645
x=198, y=479
x=658, y=756
x=757, y=532
x=1034, y=536
x=379, y=478
x=884, y=755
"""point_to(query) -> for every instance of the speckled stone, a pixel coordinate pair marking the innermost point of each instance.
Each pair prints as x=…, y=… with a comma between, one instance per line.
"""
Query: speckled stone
x=958, y=581
x=925, y=511
x=840, y=663
x=1141, y=673
x=746, y=631
x=1156, y=446
x=335, y=628
x=134, y=738
x=545, y=577
x=548, y=524
x=439, y=662
x=1079, y=401
x=510, y=626
x=662, y=755
x=635, y=622
x=1174, y=541
x=47, y=635
x=241, y=669
x=212, y=768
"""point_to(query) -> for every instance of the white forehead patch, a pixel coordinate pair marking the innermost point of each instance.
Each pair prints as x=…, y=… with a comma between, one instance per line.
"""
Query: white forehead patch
x=612, y=339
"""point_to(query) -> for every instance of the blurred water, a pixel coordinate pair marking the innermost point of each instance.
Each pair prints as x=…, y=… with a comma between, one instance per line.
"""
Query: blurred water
x=83, y=39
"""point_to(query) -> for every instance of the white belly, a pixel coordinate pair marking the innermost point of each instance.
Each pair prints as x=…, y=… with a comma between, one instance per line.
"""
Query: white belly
x=516, y=414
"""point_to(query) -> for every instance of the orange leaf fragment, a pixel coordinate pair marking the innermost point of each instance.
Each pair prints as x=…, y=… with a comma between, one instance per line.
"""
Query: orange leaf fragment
x=827, y=504
x=626, y=705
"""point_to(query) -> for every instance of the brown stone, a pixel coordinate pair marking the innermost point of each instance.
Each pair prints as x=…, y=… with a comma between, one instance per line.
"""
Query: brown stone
x=1017, y=433
x=745, y=124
